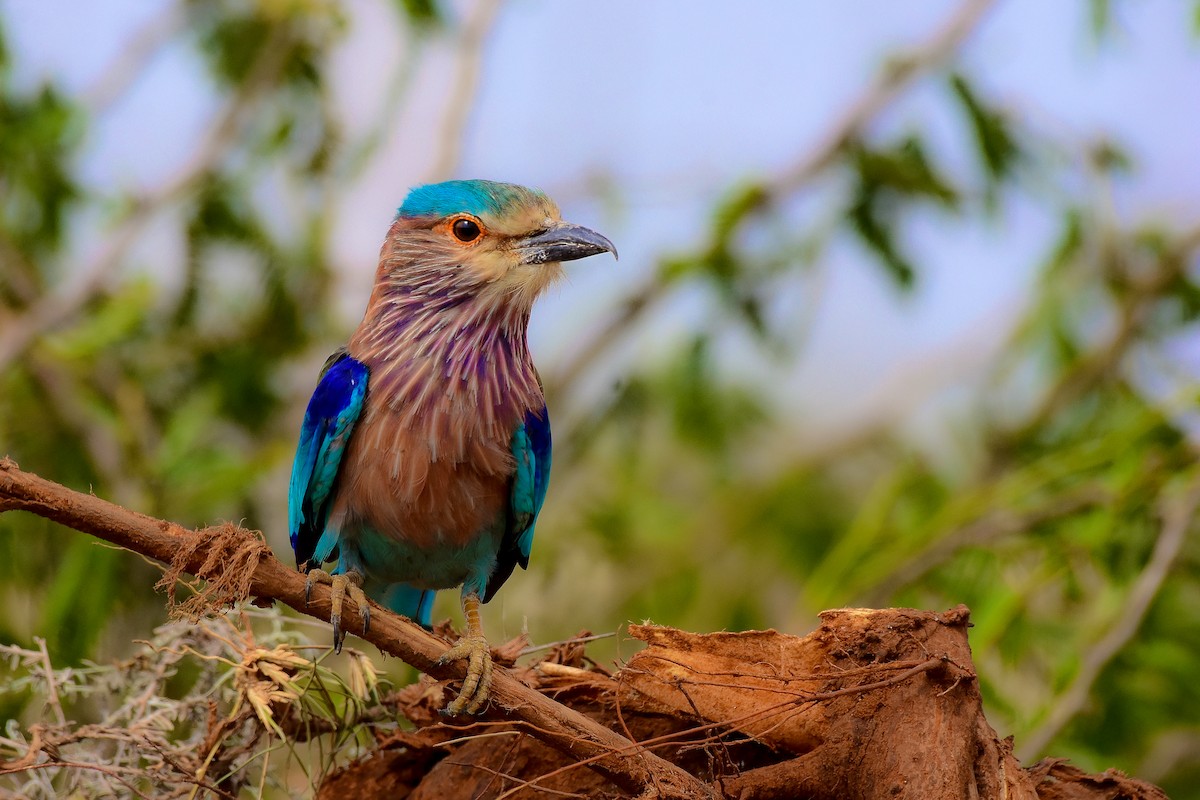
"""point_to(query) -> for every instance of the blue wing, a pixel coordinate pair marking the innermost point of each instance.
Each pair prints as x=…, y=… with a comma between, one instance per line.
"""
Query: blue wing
x=531, y=447
x=334, y=408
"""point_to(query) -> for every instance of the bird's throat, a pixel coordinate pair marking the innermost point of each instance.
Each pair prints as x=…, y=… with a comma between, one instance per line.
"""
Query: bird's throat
x=460, y=364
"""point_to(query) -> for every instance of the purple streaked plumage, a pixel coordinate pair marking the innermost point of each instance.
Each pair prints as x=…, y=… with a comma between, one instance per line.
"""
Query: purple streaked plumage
x=429, y=471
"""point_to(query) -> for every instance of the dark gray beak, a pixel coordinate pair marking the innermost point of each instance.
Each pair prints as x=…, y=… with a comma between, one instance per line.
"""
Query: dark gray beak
x=563, y=242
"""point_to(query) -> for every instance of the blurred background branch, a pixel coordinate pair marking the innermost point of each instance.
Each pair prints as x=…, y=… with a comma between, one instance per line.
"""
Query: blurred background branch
x=748, y=203
x=134, y=58
x=471, y=41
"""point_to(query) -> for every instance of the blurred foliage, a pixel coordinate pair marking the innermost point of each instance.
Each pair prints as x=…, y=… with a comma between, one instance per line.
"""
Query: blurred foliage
x=175, y=382
x=164, y=393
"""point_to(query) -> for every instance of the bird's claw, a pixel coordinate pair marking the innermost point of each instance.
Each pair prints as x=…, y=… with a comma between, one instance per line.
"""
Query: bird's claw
x=348, y=583
x=477, y=685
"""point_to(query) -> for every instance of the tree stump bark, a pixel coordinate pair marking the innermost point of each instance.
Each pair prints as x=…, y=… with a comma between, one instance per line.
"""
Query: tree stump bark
x=872, y=704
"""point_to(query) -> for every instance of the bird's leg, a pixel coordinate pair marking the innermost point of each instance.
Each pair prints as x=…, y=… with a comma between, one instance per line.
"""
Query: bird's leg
x=473, y=647
x=348, y=583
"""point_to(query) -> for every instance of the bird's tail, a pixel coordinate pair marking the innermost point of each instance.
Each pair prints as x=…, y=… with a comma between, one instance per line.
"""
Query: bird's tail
x=416, y=604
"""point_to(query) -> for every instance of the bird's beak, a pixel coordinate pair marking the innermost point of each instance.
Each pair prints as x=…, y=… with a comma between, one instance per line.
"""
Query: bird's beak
x=563, y=242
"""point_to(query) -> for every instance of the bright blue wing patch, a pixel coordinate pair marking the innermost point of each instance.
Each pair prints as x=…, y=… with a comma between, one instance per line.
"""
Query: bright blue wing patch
x=533, y=478
x=332, y=412
x=531, y=447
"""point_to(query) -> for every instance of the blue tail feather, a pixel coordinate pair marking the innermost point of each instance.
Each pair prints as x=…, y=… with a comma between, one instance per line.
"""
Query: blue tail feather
x=408, y=601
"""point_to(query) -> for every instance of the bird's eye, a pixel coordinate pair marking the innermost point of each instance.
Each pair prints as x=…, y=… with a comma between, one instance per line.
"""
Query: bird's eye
x=466, y=230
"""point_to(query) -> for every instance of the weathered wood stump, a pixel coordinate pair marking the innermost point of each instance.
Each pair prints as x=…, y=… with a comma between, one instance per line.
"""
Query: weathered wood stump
x=872, y=704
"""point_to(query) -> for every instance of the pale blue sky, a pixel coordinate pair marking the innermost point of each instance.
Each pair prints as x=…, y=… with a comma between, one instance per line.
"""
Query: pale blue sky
x=675, y=102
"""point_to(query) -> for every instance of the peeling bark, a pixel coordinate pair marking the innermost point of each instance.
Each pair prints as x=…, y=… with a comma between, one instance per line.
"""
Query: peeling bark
x=872, y=704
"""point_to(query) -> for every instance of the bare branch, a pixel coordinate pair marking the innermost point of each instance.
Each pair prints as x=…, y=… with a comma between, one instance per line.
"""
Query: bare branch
x=137, y=53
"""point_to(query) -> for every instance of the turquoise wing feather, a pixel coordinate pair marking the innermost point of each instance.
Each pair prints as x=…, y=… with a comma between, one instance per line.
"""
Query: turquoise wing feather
x=531, y=447
x=328, y=423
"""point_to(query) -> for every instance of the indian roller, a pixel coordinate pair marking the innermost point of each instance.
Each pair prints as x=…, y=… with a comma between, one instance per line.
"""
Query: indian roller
x=424, y=454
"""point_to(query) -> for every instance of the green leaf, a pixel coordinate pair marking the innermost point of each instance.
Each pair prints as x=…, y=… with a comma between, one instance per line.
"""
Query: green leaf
x=117, y=318
x=1111, y=157
x=888, y=180
x=421, y=13
x=877, y=234
x=997, y=146
x=1067, y=247
x=1100, y=16
x=5, y=58
x=707, y=414
x=903, y=169
x=39, y=134
x=84, y=590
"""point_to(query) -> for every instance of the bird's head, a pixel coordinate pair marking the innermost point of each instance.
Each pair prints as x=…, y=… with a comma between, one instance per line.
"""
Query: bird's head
x=497, y=241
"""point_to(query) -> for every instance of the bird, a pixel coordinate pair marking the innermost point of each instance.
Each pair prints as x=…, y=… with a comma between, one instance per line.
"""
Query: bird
x=425, y=450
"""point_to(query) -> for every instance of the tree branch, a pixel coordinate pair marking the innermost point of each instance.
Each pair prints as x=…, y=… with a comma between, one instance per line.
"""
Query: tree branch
x=626, y=764
x=134, y=57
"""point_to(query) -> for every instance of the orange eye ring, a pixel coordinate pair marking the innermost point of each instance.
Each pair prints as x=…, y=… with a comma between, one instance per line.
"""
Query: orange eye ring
x=466, y=230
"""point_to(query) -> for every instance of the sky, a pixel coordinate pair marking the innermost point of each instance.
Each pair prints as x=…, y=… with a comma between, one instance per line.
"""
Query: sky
x=673, y=106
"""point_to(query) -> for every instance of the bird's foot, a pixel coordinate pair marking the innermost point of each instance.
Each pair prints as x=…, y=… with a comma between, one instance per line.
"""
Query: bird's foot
x=477, y=685
x=348, y=583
